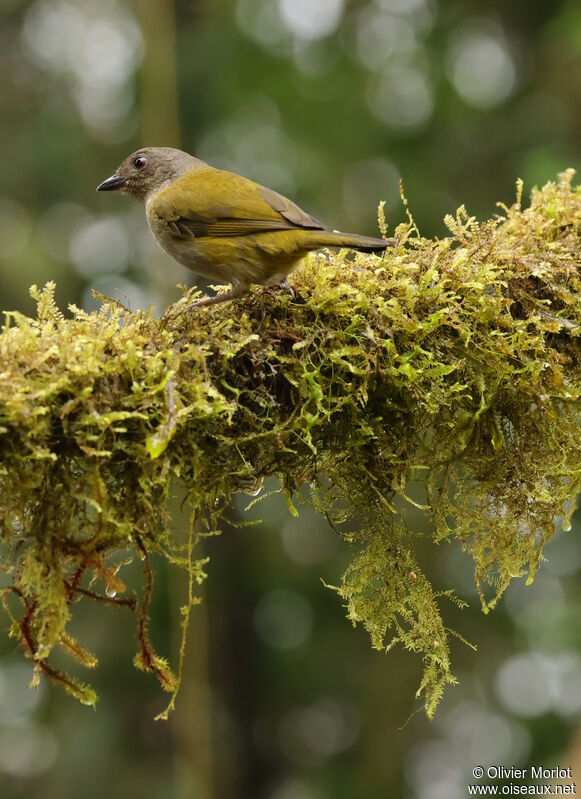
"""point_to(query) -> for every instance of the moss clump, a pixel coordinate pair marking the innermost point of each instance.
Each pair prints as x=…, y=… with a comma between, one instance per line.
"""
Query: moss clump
x=453, y=362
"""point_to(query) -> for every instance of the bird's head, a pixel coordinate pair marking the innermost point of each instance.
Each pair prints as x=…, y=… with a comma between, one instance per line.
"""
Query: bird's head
x=147, y=170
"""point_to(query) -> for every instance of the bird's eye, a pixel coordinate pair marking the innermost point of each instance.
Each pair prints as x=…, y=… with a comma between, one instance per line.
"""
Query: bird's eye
x=140, y=162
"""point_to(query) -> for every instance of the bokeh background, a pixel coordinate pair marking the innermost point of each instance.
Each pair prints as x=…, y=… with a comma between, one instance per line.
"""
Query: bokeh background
x=330, y=102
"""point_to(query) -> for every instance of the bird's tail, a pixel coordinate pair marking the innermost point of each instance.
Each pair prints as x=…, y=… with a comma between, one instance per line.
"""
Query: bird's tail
x=334, y=238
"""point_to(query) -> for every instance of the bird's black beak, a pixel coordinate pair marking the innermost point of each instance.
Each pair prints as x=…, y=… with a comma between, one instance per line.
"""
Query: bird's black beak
x=112, y=183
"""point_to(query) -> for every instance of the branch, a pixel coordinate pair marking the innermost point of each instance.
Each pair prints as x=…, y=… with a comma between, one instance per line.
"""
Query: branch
x=454, y=363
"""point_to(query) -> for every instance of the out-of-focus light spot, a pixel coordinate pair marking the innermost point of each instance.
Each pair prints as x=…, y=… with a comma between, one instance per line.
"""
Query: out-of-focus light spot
x=109, y=53
x=568, y=687
x=380, y=37
x=524, y=685
x=292, y=789
x=17, y=700
x=420, y=14
x=540, y=611
x=367, y=182
x=436, y=770
x=101, y=245
x=308, y=540
x=259, y=111
x=329, y=726
x=98, y=50
x=56, y=227
x=546, y=589
x=283, y=619
x=103, y=108
x=480, y=64
x=15, y=228
x=100, y=47
x=261, y=20
x=315, y=58
x=533, y=684
x=51, y=33
x=270, y=151
x=401, y=98
x=26, y=750
x=309, y=20
x=117, y=288
x=310, y=734
x=550, y=625
x=254, y=144
x=472, y=733
x=483, y=734
x=265, y=154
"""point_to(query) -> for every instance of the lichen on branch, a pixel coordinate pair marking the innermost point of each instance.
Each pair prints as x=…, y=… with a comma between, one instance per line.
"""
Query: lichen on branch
x=453, y=362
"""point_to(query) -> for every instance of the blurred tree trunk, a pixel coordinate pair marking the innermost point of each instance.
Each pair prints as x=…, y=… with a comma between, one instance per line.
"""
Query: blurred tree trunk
x=160, y=126
x=158, y=84
x=159, y=105
x=191, y=719
x=235, y=662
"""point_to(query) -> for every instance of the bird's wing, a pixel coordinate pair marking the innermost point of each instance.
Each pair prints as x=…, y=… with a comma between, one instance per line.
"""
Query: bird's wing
x=212, y=202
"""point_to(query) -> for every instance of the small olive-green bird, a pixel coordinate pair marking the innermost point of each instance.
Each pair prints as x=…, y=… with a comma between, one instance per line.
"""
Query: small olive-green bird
x=221, y=225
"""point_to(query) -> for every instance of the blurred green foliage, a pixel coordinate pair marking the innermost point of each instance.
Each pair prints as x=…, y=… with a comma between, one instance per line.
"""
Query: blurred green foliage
x=330, y=102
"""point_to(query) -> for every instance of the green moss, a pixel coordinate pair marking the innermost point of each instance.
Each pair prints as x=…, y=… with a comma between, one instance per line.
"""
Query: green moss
x=453, y=362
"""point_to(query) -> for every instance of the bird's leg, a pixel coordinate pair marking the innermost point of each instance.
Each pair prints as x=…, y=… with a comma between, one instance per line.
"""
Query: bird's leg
x=229, y=295
x=233, y=294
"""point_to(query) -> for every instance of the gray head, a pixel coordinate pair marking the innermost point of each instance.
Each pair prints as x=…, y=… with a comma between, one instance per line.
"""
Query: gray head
x=147, y=170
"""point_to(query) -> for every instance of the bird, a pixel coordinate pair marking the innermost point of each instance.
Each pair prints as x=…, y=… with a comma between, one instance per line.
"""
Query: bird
x=222, y=225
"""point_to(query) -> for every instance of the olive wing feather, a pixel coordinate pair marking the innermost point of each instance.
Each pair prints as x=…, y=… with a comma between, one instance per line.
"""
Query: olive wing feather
x=212, y=202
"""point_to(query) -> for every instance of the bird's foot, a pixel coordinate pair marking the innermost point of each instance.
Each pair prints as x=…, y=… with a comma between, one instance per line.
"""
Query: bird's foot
x=284, y=286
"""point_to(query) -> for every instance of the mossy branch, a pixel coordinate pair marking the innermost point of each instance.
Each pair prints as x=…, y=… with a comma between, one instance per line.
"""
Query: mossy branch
x=453, y=362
